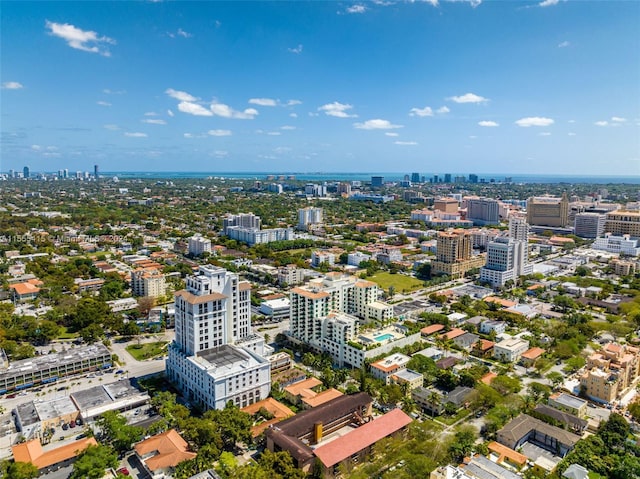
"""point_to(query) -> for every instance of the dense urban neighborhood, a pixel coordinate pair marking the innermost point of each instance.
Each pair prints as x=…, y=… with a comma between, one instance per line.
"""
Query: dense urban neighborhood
x=444, y=326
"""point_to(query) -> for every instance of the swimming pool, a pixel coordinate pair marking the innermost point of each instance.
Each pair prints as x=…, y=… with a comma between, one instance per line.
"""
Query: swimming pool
x=384, y=337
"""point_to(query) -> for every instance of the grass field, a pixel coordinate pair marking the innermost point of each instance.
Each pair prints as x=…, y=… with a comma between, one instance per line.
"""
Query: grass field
x=64, y=334
x=401, y=283
x=147, y=350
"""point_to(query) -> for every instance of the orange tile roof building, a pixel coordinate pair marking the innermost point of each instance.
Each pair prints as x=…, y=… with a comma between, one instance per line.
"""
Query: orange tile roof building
x=32, y=452
x=279, y=411
x=163, y=452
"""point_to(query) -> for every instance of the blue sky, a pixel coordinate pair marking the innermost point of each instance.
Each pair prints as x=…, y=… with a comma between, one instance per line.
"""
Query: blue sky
x=429, y=86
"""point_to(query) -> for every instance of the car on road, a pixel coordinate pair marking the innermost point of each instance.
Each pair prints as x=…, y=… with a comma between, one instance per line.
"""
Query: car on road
x=119, y=371
x=11, y=396
x=65, y=426
x=72, y=424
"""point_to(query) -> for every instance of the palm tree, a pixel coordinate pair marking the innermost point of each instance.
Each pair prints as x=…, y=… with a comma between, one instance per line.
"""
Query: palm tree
x=434, y=399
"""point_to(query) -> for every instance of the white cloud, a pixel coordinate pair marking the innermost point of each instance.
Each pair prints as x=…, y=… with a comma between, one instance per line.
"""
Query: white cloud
x=12, y=85
x=406, y=143
x=426, y=111
x=170, y=113
x=191, y=135
x=548, y=3
x=293, y=102
x=114, y=92
x=376, y=124
x=287, y=127
x=193, y=109
x=219, y=132
x=442, y=110
x=87, y=41
x=432, y=2
x=571, y=134
x=545, y=133
x=564, y=44
x=180, y=95
x=150, y=113
x=356, y=9
x=391, y=133
x=154, y=121
x=274, y=133
x=472, y=137
x=468, y=98
x=293, y=115
x=36, y=147
x=184, y=34
x=263, y=101
x=103, y=103
x=296, y=50
x=135, y=135
x=601, y=123
x=534, y=121
x=225, y=111
x=617, y=119
x=488, y=123
x=571, y=121
x=337, y=109
x=473, y=3
x=111, y=127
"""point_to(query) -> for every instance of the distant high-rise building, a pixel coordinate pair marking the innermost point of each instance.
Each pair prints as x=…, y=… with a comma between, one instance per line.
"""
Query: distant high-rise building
x=508, y=256
x=309, y=216
x=12, y=174
x=435, y=178
x=96, y=172
x=622, y=222
x=589, y=225
x=473, y=178
x=548, y=211
x=66, y=173
x=483, y=211
x=415, y=177
x=246, y=220
x=344, y=189
x=518, y=229
x=25, y=172
x=377, y=181
x=447, y=177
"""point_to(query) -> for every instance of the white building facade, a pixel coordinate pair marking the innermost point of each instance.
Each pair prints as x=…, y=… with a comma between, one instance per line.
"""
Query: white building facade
x=212, y=314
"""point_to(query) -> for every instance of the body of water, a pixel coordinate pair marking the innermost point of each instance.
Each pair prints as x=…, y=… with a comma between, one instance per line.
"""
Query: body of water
x=365, y=177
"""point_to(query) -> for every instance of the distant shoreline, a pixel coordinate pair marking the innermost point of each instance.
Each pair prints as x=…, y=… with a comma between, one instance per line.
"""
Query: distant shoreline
x=388, y=176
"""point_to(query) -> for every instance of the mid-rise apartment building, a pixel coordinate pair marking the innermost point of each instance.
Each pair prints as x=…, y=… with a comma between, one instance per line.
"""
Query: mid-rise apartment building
x=454, y=254
x=244, y=220
x=309, y=216
x=148, y=282
x=610, y=372
x=199, y=245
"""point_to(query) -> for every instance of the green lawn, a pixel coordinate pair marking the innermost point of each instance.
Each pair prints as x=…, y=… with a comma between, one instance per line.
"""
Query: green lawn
x=64, y=334
x=400, y=282
x=147, y=350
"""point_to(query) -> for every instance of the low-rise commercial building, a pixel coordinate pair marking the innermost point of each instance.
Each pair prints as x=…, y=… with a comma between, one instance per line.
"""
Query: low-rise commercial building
x=27, y=373
x=45, y=461
x=119, y=396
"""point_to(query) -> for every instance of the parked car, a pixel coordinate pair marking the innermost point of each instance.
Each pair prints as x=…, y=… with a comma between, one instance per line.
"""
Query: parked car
x=65, y=426
x=124, y=471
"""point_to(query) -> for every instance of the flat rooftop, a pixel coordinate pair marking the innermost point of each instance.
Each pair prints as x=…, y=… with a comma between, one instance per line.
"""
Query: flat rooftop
x=43, y=363
x=569, y=400
x=105, y=394
x=55, y=408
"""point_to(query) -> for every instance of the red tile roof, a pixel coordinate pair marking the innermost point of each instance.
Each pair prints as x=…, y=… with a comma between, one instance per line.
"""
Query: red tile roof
x=32, y=452
x=366, y=435
x=533, y=353
x=433, y=328
x=169, y=447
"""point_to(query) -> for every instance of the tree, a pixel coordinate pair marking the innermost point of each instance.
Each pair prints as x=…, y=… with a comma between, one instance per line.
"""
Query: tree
x=93, y=462
x=145, y=303
x=116, y=431
x=18, y=470
x=556, y=378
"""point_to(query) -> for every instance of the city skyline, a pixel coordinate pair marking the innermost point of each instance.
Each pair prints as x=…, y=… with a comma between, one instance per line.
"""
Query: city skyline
x=514, y=87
